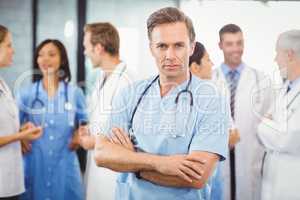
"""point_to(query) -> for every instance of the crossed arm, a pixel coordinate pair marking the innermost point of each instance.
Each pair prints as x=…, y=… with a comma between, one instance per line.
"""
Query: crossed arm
x=281, y=136
x=191, y=170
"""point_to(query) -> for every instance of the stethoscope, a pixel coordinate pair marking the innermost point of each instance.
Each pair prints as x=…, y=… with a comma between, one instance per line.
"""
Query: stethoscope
x=186, y=90
x=37, y=100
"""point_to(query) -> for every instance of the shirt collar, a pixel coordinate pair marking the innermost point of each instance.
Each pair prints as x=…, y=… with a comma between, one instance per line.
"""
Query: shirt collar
x=294, y=83
x=226, y=69
x=119, y=69
x=178, y=88
x=60, y=90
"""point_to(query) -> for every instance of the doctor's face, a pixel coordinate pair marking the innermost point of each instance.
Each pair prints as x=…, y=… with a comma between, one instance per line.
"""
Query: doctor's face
x=281, y=59
x=49, y=59
x=232, y=45
x=6, y=51
x=171, y=47
x=89, y=49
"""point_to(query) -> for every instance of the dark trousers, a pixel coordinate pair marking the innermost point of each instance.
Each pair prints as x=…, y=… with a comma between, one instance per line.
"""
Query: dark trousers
x=10, y=198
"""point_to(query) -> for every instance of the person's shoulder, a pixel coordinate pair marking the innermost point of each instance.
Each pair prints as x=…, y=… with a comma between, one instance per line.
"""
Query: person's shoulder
x=204, y=90
x=25, y=93
x=253, y=69
x=203, y=85
x=26, y=88
x=140, y=85
x=73, y=88
x=71, y=85
x=259, y=74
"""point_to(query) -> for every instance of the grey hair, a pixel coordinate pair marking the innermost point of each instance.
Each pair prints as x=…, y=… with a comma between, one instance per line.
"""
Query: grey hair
x=290, y=40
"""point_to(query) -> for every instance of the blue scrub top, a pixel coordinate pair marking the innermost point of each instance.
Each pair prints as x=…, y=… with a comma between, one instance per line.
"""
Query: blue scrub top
x=52, y=170
x=162, y=128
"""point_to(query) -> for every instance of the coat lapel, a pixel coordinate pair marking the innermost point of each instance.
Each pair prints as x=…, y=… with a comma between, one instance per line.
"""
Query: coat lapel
x=293, y=95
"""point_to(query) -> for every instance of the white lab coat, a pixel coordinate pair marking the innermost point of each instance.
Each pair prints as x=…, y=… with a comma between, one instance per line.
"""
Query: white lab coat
x=281, y=137
x=11, y=164
x=100, y=182
x=251, y=101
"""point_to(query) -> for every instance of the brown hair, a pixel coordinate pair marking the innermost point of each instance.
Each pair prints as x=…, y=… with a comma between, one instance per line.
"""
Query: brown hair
x=3, y=32
x=229, y=28
x=105, y=34
x=170, y=15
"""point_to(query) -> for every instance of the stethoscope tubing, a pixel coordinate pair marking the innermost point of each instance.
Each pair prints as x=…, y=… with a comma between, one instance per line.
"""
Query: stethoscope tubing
x=38, y=100
x=176, y=99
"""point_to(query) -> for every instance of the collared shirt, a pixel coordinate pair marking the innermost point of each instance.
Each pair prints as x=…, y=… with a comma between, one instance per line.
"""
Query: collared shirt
x=11, y=165
x=294, y=83
x=51, y=168
x=163, y=128
x=226, y=69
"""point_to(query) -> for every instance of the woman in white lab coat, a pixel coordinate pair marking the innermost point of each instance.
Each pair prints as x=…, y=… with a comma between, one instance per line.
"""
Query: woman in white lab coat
x=279, y=130
x=11, y=170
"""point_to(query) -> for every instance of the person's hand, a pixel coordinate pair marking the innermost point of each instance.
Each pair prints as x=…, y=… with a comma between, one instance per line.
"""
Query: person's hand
x=87, y=141
x=119, y=136
x=186, y=167
x=75, y=143
x=234, y=137
x=30, y=133
x=27, y=125
x=268, y=116
x=25, y=146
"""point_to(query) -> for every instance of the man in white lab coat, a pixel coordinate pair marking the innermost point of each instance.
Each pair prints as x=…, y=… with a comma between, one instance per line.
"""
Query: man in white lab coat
x=279, y=130
x=249, y=97
x=101, y=43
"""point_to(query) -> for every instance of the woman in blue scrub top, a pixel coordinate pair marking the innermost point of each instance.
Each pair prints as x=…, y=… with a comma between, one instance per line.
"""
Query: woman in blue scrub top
x=51, y=166
x=201, y=66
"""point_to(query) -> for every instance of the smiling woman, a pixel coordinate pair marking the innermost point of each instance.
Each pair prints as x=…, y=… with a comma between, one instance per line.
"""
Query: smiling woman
x=6, y=53
x=59, y=107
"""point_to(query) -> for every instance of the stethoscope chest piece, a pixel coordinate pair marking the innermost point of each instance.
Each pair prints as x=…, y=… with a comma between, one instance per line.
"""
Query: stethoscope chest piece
x=68, y=106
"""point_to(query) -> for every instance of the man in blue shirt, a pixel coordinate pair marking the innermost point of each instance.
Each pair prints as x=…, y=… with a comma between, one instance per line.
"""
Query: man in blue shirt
x=168, y=132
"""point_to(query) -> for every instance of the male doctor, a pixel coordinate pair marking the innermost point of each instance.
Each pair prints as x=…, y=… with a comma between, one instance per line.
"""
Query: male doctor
x=101, y=43
x=177, y=123
x=249, y=99
x=279, y=130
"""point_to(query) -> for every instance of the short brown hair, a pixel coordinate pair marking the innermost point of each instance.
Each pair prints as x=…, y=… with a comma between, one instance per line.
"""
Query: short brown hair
x=229, y=28
x=105, y=34
x=170, y=15
x=3, y=32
